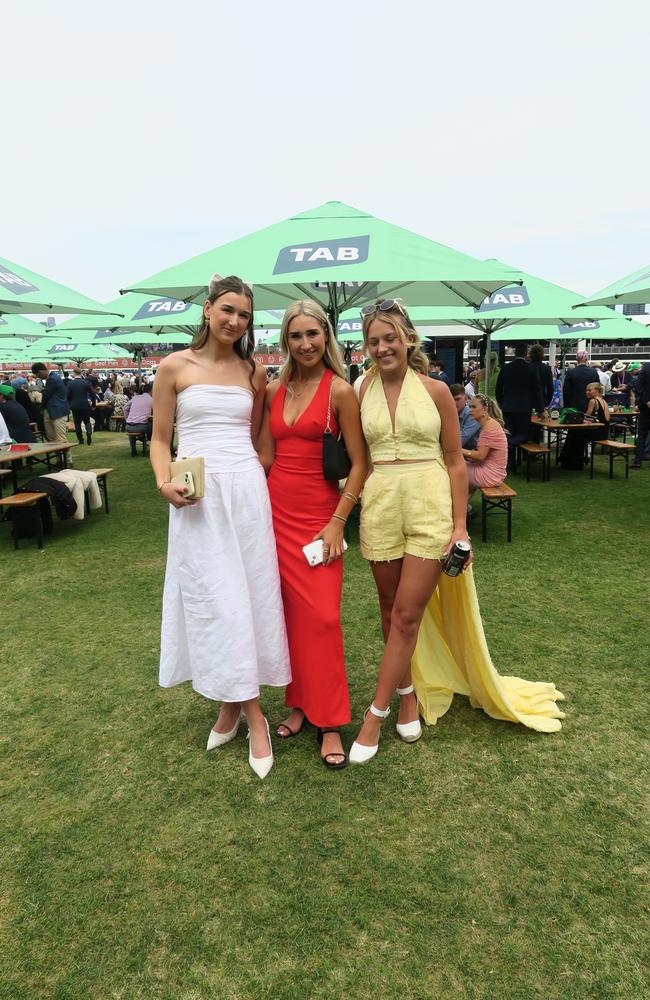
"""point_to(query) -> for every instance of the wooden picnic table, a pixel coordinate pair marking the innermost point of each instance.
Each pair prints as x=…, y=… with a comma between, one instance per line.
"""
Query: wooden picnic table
x=37, y=450
x=555, y=427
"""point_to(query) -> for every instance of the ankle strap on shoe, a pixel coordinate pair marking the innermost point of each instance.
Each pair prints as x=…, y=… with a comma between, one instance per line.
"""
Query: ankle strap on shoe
x=409, y=690
x=379, y=712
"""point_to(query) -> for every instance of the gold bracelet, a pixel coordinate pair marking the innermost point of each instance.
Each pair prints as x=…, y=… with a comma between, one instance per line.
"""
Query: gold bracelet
x=351, y=496
x=166, y=483
x=340, y=517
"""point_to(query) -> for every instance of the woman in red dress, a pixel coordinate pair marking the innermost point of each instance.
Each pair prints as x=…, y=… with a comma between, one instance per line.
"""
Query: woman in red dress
x=305, y=507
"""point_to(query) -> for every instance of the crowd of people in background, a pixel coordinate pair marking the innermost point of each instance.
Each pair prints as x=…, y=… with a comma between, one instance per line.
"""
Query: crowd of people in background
x=45, y=400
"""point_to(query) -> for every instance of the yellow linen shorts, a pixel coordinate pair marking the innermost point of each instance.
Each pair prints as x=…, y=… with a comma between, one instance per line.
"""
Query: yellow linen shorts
x=406, y=509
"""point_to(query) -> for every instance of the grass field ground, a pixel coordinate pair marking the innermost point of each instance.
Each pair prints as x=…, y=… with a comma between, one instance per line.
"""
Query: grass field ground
x=486, y=861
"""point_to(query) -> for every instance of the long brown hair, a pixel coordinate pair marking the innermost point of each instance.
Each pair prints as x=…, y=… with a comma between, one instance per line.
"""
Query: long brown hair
x=244, y=346
x=331, y=356
x=403, y=327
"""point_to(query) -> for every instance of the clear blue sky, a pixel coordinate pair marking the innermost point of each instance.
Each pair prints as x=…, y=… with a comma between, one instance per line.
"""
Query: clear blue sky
x=137, y=134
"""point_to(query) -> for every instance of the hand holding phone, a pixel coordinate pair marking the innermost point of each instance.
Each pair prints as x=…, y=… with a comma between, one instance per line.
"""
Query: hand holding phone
x=314, y=551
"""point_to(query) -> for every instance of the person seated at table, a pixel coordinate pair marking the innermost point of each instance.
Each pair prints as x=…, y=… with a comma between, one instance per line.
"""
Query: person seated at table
x=486, y=464
x=572, y=455
x=15, y=416
x=598, y=409
x=469, y=428
x=119, y=400
x=137, y=414
x=5, y=436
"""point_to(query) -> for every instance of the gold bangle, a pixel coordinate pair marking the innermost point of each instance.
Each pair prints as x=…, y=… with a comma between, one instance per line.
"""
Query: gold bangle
x=351, y=496
x=340, y=517
x=166, y=483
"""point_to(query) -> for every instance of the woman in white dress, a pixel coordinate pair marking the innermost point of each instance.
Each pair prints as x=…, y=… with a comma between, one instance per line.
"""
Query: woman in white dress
x=223, y=623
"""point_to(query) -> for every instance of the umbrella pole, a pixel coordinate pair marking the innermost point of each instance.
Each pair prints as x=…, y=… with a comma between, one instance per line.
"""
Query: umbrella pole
x=486, y=363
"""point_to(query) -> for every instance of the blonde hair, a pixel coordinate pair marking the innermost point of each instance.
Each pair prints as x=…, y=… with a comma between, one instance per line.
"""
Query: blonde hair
x=331, y=357
x=401, y=324
x=597, y=386
x=491, y=405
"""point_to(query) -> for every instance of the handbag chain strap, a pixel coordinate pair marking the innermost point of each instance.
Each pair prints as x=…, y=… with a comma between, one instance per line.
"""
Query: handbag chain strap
x=328, y=429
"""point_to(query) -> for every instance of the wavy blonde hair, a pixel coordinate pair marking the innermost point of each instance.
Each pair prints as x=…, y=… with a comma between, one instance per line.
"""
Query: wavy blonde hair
x=332, y=356
x=401, y=324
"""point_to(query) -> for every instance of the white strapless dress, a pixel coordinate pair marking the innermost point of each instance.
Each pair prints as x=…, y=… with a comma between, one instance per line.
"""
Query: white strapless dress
x=223, y=622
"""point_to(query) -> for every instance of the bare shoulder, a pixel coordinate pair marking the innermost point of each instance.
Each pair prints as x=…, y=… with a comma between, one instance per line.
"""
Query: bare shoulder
x=363, y=388
x=437, y=389
x=342, y=391
x=173, y=363
x=259, y=376
x=271, y=390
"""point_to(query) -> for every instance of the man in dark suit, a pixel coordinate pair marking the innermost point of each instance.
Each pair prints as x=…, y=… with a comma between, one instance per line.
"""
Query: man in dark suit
x=81, y=400
x=518, y=392
x=576, y=380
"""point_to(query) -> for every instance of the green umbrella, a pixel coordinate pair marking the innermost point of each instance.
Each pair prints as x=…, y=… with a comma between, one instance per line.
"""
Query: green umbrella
x=58, y=352
x=151, y=317
x=24, y=291
x=10, y=353
x=531, y=302
x=20, y=326
x=340, y=257
x=616, y=328
x=634, y=288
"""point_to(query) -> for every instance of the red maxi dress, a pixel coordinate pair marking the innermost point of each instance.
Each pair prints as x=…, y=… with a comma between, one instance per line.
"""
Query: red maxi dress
x=302, y=502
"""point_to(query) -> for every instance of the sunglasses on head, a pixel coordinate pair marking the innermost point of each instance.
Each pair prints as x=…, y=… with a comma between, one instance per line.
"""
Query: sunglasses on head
x=384, y=305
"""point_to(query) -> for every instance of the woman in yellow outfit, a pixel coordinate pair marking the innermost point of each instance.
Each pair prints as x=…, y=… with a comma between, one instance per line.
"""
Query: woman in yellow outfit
x=414, y=507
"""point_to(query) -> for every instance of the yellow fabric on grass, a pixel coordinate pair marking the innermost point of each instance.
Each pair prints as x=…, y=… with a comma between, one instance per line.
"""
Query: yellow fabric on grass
x=452, y=657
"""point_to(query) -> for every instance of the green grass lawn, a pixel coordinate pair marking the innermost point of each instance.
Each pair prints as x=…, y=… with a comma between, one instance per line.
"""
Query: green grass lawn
x=486, y=861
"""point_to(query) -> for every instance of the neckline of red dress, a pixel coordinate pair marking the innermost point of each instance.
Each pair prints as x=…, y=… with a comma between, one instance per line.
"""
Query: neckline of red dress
x=309, y=404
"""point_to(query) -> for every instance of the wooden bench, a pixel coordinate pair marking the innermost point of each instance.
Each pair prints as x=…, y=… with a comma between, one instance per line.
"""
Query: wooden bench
x=531, y=449
x=116, y=423
x=4, y=473
x=616, y=449
x=101, y=482
x=139, y=436
x=496, y=498
x=21, y=502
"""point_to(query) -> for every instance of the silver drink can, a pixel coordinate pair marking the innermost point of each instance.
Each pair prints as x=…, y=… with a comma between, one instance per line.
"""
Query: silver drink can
x=456, y=559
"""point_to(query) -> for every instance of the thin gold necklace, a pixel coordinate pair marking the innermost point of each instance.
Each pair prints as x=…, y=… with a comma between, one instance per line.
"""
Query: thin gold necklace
x=297, y=395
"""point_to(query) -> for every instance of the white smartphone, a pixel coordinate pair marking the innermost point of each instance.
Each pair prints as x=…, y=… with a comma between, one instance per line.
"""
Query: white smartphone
x=314, y=551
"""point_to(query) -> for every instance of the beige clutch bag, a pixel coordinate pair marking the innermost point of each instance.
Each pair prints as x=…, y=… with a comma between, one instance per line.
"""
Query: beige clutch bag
x=196, y=467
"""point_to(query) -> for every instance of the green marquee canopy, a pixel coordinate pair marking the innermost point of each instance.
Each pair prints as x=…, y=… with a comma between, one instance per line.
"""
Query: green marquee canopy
x=340, y=257
x=634, y=288
x=24, y=291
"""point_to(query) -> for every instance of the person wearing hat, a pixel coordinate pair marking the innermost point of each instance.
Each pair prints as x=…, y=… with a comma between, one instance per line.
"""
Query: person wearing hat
x=621, y=381
x=15, y=416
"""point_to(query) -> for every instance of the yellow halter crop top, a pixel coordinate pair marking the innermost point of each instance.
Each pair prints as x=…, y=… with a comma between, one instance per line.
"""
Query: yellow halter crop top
x=417, y=422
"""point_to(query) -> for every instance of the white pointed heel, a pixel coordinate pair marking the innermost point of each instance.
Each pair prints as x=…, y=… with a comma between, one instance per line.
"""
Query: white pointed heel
x=220, y=739
x=360, y=754
x=410, y=732
x=261, y=765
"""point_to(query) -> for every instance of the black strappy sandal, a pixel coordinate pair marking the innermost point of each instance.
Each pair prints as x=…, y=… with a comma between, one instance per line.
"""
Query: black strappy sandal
x=290, y=733
x=339, y=765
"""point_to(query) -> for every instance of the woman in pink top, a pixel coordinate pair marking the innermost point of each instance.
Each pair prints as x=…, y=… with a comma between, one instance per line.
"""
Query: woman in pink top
x=486, y=464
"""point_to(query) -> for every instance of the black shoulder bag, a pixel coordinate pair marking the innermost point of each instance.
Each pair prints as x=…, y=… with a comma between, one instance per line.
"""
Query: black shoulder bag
x=336, y=461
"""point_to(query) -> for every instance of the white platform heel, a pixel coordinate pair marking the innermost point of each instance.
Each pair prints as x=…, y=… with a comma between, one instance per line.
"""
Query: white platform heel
x=261, y=765
x=360, y=754
x=220, y=739
x=410, y=732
